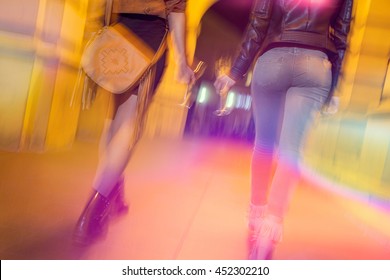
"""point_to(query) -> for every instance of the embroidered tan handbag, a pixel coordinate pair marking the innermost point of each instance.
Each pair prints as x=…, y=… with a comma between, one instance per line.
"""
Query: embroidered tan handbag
x=116, y=59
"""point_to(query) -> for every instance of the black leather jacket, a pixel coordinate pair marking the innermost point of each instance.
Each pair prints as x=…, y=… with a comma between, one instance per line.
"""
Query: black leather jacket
x=317, y=24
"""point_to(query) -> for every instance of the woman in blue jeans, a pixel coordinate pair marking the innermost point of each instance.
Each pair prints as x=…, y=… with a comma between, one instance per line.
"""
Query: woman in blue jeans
x=300, y=45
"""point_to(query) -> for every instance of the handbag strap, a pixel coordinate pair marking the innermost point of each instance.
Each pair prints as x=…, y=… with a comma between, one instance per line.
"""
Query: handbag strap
x=108, y=11
x=161, y=49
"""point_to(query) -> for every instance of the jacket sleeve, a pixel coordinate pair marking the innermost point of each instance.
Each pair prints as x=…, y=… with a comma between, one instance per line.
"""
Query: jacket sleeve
x=175, y=6
x=254, y=36
x=341, y=26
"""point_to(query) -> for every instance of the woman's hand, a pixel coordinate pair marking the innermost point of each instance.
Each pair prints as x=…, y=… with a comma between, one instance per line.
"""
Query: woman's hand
x=223, y=84
x=332, y=107
x=184, y=74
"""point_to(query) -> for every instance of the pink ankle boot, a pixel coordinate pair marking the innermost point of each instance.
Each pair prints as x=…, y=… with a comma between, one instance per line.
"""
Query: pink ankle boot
x=255, y=216
x=268, y=234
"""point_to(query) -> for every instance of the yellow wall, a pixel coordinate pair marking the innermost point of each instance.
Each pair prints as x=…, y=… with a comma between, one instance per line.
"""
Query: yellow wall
x=353, y=147
x=40, y=46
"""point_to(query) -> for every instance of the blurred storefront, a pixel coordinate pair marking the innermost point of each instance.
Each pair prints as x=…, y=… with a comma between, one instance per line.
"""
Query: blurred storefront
x=40, y=46
x=353, y=146
x=41, y=42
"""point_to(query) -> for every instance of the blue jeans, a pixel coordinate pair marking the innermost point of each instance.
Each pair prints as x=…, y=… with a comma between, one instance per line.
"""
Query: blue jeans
x=289, y=86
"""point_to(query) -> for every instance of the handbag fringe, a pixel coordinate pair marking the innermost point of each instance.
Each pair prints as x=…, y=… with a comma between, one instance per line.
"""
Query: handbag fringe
x=145, y=89
x=88, y=91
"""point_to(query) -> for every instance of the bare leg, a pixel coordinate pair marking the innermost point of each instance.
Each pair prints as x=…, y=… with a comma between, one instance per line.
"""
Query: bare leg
x=115, y=152
x=107, y=197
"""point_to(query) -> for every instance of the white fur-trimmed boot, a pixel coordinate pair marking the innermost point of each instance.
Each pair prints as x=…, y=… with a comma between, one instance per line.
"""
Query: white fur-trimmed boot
x=268, y=234
x=256, y=214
